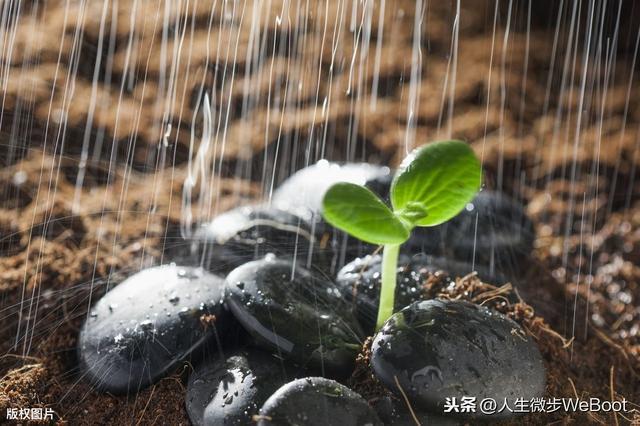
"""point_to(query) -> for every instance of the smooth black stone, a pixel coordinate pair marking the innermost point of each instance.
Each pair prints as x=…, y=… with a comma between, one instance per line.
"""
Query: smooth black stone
x=304, y=317
x=501, y=242
x=440, y=349
x=316, y=401
x=140, y=330
x=360, y=282
x=302, y=194
x=303, y=191
x=248, y=233
x=230, y=391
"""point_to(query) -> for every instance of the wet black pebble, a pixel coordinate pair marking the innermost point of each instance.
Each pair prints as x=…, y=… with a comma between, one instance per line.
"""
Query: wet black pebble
x=360, y=282
x=250, y=232
x=231, y=391
x=316, y=401
x=438, y=349
x=492, y=232
x=296, y=313
x=303, y=191
x=302, y=194
x=140, y=330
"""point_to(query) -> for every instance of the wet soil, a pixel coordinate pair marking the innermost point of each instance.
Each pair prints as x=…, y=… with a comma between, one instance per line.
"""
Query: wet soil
x=62, y=248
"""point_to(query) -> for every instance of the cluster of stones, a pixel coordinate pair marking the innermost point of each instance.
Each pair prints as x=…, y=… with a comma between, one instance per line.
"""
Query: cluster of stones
x=274, y=305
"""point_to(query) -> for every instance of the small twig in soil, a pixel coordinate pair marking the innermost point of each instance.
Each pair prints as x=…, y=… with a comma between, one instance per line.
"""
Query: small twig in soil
x=573, y=386
x=24, y=368
x=406, y=400
x=176, y=379
x=616, y=346
x=634, y=412
x=23, y=357
x=494, y=298
x=565, y=343
x=257, y=417
x=492, y=294
x=469, y=276
x=153, y=389
x=575, y=392
x=615, y=414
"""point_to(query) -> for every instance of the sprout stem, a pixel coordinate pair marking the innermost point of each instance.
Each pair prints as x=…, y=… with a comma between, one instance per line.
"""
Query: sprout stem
x=388, y=290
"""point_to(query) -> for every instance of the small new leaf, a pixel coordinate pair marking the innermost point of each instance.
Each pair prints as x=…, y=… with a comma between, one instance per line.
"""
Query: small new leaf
x=359, y=212
x=440, y=178
x=413, y=212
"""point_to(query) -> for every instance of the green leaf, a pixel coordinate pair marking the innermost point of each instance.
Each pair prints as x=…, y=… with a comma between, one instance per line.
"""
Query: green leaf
x=358, y=211
x=435, y=182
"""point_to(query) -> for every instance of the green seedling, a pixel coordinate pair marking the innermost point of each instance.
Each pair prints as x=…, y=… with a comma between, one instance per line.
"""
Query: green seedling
x=432, y=185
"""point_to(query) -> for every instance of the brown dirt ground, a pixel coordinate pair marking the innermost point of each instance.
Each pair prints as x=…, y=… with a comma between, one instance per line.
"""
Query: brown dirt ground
x=60, y=249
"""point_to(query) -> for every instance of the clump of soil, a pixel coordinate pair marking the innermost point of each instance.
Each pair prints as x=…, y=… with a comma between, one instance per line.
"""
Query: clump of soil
x=21, y=387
